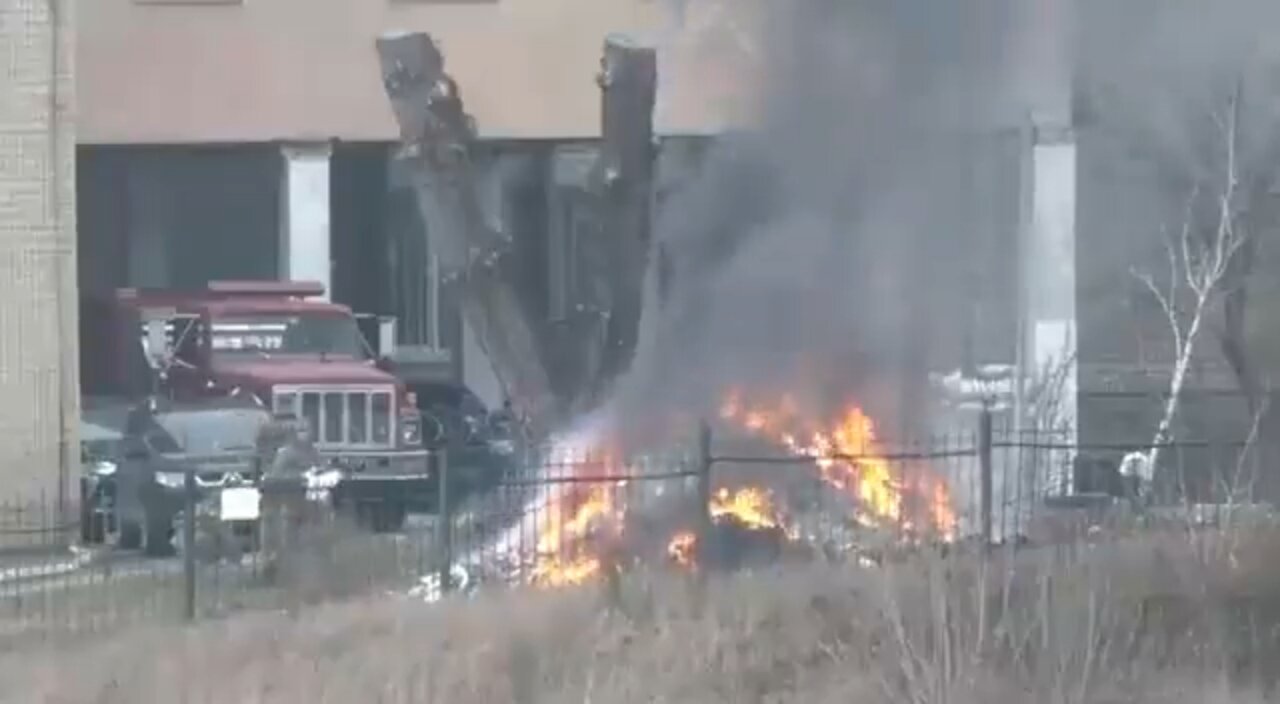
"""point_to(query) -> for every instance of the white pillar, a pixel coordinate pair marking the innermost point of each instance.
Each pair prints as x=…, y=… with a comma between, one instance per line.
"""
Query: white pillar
x=304, y=215
x=1047, y=251
x=1048, y=271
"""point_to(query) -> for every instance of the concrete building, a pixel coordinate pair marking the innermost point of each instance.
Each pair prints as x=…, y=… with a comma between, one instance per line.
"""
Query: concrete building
x=38, y=382
x=235, y=139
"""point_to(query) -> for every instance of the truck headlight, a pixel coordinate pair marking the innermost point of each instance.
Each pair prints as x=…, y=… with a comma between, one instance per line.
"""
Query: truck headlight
x=502, y=447
x=102, y=468
x=171, y=480
x=411, y=431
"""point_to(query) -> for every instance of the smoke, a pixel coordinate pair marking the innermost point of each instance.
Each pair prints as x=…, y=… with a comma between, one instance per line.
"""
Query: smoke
x=821, y=252
x=1154, y=87
x=1156, y=73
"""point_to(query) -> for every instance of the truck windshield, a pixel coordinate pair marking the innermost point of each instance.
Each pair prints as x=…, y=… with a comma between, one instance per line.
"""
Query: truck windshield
x=265, y=335
x=206, y=432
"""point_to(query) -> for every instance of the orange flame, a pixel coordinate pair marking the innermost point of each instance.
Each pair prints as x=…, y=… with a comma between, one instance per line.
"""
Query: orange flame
x=846, y=452
x=681, y=548
x=581, y=517
x=753, y=507
x=850, y=458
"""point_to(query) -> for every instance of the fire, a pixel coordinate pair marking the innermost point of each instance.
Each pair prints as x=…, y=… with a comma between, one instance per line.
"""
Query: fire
x=564, y=552
x=579, y=519
x=849, y=457
x=751, y=507
x=585, y=517
x=681, y=548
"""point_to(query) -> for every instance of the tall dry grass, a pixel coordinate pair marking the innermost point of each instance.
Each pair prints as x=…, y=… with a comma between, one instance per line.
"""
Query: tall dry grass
x=1165, y=618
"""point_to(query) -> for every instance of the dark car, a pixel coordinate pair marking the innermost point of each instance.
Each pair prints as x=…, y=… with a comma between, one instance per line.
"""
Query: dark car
x=218, y=442
x=481, y=446
x=101, y=441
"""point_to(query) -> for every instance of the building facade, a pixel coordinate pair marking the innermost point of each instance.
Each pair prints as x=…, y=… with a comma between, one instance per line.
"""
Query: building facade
x=38, y=383
x=253, y=139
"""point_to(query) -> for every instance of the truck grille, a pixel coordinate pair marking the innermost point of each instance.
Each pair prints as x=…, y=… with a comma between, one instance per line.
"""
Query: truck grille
x=342, y=416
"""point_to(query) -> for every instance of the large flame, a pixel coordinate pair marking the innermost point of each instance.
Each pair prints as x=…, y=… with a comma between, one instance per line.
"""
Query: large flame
x=566, y=553
x=751, y=507
x=581, y=519
x=851, y=459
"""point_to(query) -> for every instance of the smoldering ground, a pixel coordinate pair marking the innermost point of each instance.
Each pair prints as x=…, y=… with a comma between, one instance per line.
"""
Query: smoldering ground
x=811, y=253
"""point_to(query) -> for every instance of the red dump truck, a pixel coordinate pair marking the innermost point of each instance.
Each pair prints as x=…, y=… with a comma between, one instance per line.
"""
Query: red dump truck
x=281, y=346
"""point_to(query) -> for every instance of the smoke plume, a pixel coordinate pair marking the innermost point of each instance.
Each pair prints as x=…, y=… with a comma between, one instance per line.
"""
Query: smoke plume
x=823, y=251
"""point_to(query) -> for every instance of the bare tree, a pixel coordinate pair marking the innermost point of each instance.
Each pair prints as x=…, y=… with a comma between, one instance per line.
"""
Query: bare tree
x=1202, y=262
x=1189, y=98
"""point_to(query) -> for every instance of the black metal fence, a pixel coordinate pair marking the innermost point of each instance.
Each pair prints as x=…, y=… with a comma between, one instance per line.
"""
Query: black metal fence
x=564, y=517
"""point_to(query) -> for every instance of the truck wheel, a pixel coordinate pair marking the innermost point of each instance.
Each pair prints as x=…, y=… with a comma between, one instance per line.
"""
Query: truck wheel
x=158, y=537
x=381, y=517
x=130, y=537
x=91, y=530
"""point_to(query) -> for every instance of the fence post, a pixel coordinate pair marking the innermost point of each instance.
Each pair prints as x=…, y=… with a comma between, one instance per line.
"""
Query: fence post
x=704, y=525
x=189, y=544
x=985, y=468
x=444, y=520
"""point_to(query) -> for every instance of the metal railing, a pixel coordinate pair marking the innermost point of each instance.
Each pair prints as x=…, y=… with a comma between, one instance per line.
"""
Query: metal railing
x=555, y=518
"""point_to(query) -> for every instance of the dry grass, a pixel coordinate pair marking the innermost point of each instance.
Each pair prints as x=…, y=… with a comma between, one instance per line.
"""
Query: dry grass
x=1144, y=619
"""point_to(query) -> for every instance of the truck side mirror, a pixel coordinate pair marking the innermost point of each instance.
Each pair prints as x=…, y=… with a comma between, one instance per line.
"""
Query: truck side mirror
x=157, y=342
x=386, y=335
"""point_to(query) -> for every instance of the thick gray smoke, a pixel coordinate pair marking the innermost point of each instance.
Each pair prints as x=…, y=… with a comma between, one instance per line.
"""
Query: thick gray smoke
x=820, y=253
x=1155, y=86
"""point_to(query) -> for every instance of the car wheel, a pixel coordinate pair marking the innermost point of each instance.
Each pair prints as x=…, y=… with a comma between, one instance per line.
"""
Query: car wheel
x=88, y=531
x=158, y=537
x=130, y=537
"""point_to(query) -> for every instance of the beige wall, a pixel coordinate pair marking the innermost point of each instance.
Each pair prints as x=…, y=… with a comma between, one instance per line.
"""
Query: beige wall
x=38, y=381
x=286, y=69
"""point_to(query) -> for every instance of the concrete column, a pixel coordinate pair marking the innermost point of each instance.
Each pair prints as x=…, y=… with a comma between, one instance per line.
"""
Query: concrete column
x=304, y=214
x=1048, y=272
x=1047, y=251
x=39, y=394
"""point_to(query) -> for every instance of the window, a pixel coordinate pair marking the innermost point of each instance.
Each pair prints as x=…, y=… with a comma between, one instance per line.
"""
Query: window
x=267, y=335
x=201, y=433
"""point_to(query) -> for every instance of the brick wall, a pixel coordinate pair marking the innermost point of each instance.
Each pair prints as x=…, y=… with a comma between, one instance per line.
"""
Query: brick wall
x=38, y=374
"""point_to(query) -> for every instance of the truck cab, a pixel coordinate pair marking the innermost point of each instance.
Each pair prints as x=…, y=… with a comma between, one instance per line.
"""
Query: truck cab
x=282, y=347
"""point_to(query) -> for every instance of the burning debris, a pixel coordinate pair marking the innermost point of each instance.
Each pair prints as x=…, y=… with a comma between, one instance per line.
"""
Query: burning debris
x=746, y=527
x=595, y=518
x=851, y=460
x=573, y=551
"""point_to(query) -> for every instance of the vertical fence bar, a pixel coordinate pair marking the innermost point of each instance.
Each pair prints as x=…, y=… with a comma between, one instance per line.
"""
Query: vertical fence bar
x=704, y=493
x=189, y=545
x=444, y=528
x=986, y=470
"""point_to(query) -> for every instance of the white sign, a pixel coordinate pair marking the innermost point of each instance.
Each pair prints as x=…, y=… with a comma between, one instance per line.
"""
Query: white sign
x=247, y=336
x=240, y=504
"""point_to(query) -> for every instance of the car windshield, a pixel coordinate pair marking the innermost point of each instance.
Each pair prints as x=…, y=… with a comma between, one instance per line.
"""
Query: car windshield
x=206, y=432
x=302, y=334
x=456, y=398
x=96, y=450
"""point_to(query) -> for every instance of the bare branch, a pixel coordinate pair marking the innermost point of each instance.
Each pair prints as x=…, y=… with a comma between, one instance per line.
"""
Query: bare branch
x=1165, y=305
